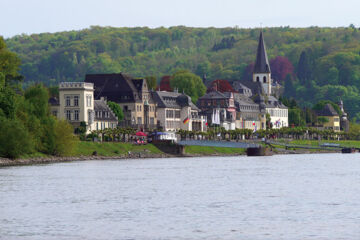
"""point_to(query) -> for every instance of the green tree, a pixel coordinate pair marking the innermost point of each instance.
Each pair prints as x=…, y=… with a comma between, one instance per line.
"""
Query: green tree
x=116, y=110
x=65, y=141
x=188, y=83
x=15, y=140
x=151, y=82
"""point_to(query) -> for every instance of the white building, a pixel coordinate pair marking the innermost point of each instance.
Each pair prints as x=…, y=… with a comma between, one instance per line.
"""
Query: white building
x=176, y=111
x=76, y=104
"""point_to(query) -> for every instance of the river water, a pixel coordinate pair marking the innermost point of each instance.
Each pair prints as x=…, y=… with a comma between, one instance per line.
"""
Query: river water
x=279, y=197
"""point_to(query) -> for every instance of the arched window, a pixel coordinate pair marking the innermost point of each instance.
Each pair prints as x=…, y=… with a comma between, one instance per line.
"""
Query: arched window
x=264, y=79
x=257, y=79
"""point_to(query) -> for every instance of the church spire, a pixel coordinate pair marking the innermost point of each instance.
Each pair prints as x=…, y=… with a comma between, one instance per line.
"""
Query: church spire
x=262, y=63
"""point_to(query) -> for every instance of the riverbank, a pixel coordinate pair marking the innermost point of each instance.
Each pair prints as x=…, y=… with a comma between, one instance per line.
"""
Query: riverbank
x=114, y=150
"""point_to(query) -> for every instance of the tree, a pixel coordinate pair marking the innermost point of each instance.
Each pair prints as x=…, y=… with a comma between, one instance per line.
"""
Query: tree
x=304, y=72
x=116, y=110
x=65, y=141
x=151, y=82
x=280, y=68
x=14, y=139
x=290, y=90
x=188, y=83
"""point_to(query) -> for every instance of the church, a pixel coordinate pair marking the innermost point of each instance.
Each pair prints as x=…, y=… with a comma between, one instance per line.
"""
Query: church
x=262, y=88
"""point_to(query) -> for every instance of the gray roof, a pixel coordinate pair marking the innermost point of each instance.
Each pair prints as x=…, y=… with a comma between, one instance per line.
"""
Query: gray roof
x=273, y=102
x=262, y=63
x=215, y=95
x=328, y=111
x=101, y=106
x=172, y=100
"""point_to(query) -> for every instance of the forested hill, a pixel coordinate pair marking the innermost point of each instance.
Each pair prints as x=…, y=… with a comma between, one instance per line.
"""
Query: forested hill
x=317, y=63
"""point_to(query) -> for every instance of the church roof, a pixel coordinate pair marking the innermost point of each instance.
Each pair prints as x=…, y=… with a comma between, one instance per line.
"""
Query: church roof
x=262, y=63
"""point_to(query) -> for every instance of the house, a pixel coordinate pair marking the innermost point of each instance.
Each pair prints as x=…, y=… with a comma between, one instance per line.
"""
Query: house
x=131, y=94
x=331, y=116
x=217, y=105
x=249, y=114
x=76, y=104
x=176, y=111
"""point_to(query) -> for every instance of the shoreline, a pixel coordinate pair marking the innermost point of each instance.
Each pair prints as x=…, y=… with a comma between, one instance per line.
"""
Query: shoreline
x=6, y=162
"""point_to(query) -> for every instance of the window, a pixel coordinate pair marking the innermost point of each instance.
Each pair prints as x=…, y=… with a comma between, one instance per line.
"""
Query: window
x=336, y=119
x=88, y=100
x=264, y=79
x=67, y=103
x=68, y=115
x=76, y=101
x=177, y=114
x=76, y=115
x=54, y=113
x=139, y=120
x=125, y=108
x=97, y=126
x=257, y=79
x=152, y=120
x=169, y=114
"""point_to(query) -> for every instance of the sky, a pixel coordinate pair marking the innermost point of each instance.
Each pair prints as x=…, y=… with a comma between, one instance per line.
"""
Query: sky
x=38, y=16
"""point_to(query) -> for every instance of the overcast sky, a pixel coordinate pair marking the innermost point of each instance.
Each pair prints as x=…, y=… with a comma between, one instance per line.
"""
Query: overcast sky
x=36, y=16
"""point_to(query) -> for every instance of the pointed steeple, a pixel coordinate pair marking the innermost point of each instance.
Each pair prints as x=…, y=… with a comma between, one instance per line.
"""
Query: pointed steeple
x=262, y=63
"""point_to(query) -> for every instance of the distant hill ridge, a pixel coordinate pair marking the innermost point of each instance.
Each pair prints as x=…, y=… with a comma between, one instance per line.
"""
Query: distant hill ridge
x=330, y=62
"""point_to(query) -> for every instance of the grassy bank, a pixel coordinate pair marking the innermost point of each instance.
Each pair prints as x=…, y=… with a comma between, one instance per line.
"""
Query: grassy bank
x=316, y=143
x=112, y=148
x=204, y=150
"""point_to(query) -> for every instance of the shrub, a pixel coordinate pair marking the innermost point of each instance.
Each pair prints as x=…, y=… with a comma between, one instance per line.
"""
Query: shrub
x=65, y=140
x=15, y=140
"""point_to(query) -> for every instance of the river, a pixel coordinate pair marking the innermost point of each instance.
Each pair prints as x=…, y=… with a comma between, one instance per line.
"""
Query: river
x=314, y=196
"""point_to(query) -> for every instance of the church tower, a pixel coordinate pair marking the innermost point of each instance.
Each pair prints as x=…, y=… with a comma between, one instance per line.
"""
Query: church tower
x=262, y=72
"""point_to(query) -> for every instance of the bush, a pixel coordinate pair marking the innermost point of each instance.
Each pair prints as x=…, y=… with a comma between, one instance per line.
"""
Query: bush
x=15, y=140
x=65, y=140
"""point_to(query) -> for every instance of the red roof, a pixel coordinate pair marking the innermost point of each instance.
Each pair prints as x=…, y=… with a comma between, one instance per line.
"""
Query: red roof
x=221, y=86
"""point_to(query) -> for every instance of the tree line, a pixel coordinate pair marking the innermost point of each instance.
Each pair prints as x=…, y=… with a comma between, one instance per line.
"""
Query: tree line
x=26, y=125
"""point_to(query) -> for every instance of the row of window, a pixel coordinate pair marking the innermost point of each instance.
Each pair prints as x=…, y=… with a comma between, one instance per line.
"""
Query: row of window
x=172, y=113
x=170, y=124
x=139, y=108
x=100, y=114
x=75, y=101
x=72, y=115
x=277, y=112
x=258, y=79
x=103, y=125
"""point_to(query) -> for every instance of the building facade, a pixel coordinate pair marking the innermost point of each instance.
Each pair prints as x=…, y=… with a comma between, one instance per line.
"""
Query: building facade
x=221, y=106
x=176, y=111
x=133, y=96
x=76, y=104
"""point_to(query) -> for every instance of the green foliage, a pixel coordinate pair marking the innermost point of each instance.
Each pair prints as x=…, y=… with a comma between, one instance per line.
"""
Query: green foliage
x=65, y=141
x=188, y=83
x=151, y=82
x=38, y=96
x=322, y=120
x=116, y=109
x=15, y=140
x=321, y=104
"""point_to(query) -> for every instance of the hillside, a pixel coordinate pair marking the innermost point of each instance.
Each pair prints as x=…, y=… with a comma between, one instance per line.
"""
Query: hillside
x=323, y=63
